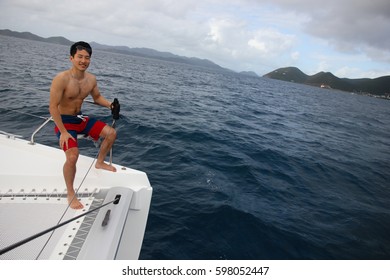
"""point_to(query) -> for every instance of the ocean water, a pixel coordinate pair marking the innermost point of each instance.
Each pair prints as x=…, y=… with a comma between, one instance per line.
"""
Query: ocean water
x=242, y=167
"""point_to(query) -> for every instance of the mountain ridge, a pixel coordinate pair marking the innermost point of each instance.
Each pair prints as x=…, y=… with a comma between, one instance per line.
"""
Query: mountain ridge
x=143, y=52
x=378, y=87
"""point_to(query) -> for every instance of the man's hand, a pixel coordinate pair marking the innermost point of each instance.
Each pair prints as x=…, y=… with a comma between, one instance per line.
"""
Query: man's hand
x=64, y=138
x=115, y=109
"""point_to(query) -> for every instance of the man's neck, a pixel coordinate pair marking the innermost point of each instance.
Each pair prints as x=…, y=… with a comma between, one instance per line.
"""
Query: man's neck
x=77, y=74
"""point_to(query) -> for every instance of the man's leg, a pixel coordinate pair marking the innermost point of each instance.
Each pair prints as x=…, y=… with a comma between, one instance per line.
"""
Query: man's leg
x=69, y=171
x=109, y=135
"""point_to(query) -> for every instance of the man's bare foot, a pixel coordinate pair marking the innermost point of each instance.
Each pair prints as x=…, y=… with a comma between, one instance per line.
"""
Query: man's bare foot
x=105, y=166
x=74, y=203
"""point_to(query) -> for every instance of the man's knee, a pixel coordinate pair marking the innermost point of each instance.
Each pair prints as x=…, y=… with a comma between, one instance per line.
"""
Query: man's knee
x=113, y=133
x=72, y=155
x=109, y=133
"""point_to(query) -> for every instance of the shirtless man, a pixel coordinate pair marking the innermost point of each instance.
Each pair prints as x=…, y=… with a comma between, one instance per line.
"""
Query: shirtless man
x=67, y=93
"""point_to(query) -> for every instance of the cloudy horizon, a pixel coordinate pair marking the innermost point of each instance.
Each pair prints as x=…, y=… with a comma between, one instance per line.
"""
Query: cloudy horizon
x=345, y=37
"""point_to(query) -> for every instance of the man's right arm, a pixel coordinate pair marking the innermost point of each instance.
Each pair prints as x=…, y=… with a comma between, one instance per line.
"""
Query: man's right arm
x=56, y=93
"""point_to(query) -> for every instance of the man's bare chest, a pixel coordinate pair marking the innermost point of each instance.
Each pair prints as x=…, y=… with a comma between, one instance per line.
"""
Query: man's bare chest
x=78, y=89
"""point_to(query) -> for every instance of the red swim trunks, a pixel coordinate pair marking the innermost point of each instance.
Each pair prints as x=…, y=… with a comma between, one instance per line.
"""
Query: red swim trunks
x=80, y=125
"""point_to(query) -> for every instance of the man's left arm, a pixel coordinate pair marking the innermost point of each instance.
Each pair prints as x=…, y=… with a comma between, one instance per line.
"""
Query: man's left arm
x=98, y=98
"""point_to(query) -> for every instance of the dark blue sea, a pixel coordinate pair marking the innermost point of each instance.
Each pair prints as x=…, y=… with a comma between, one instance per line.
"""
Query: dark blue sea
x=242, y=167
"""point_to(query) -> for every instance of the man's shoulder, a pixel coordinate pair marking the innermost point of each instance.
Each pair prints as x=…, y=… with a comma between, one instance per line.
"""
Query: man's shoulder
x=90, y=75
x=62, y=75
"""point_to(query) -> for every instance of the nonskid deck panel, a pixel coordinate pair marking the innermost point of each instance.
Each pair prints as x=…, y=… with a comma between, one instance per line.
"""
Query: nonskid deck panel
x=33, y=212
x=72, y=249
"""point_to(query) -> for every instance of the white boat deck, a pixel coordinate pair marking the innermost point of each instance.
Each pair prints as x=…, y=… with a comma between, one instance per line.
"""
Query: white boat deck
x=33, y=199
x=30, y=216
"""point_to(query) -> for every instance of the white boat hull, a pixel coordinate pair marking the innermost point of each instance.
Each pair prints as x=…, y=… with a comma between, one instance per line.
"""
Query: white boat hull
x=31, y=180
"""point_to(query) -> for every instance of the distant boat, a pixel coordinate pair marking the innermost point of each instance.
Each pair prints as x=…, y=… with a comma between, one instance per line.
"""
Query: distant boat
x=33, y=200
x=325, y=86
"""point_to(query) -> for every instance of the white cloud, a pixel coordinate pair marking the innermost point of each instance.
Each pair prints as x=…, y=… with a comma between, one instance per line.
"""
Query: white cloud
x=257, y=35
x=350, y=25
x=346, y=71
x=295, y=55
x=271, y=42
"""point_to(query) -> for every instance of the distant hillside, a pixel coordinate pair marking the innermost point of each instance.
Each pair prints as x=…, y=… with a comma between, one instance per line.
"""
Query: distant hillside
x=249, y=73
x=379, y=86
x=30, y=36
x=167, y=56
x=144, y=52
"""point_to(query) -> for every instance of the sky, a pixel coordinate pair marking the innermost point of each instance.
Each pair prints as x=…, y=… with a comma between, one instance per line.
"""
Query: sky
x=349, y=38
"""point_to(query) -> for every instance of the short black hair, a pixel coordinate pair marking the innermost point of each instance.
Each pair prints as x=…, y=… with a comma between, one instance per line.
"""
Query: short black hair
x=80, y=46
